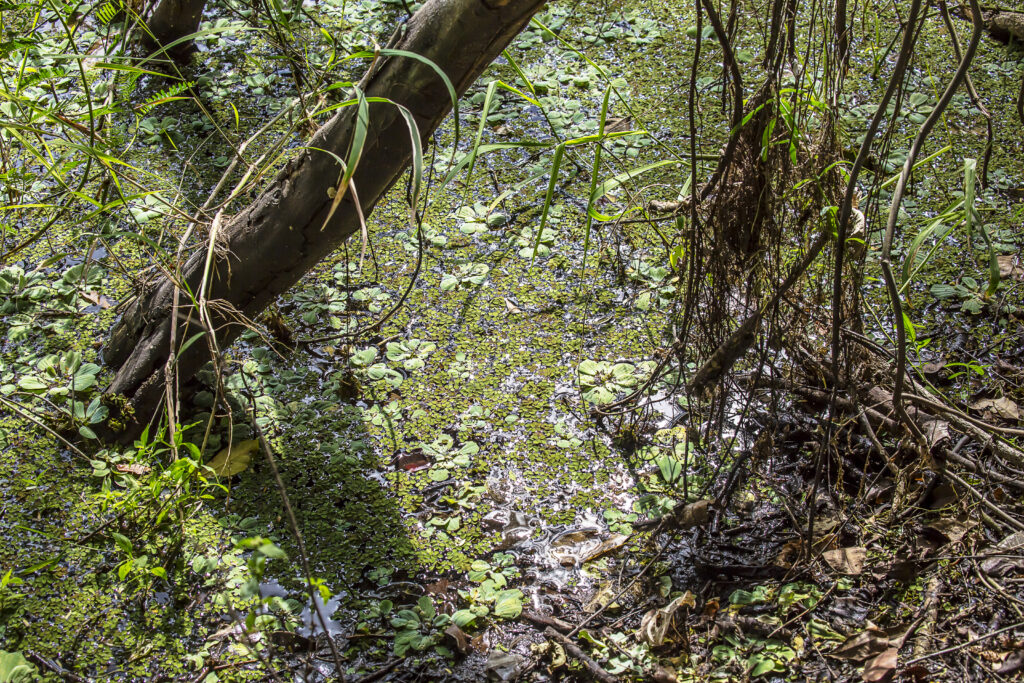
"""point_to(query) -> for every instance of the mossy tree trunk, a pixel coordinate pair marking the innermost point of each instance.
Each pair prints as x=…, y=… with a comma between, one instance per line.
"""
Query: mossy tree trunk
x=268, y=247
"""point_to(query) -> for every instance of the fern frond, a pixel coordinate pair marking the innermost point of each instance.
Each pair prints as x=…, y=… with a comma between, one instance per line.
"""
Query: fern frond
x=168, y=94
x=109, y=11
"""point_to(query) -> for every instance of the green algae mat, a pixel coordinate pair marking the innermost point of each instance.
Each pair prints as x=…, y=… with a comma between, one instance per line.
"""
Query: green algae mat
x=426, y=403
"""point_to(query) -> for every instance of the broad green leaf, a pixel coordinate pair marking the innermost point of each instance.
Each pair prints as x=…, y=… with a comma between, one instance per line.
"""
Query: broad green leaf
x=508, y=604
x=14, y=668
x=32, y=384
x=229, y=462
x=272, y=551
x=463, y=618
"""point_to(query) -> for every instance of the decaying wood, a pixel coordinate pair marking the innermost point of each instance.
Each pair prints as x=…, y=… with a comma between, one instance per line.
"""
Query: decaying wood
x=285, y=232
x=1005, y=25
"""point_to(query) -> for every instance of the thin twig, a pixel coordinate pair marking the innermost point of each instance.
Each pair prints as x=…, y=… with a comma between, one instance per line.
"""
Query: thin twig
x=586, y=660
x=961, y=646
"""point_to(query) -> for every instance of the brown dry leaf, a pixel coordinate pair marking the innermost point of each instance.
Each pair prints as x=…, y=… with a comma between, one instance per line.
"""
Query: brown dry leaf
x=614, y=542
x=694, y=514
x=919, y=673
x=953, y=528
x=998, y=407
x=935, y=432
x=1009, y=268
x=134, y=468
x=881, y=668
x=230, y=462
x=710, y=610
x=655, y=624
x=97, y=299
x=1006, y=556
x=846, y=560
x=663, y=675
x=602, y=598
x=862, y=646
x=572, y=547
x=1013, y=663
x=292, y=641
x=789, y=553
x=458, y=638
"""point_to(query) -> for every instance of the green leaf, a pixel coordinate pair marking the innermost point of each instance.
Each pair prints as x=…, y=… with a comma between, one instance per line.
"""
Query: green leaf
x=671, y=469
x=122, y=542
x=272, y=551
x=599, y=395
x=123, y=570
x=943, y=291
x=32, y=384
x=760, y=665
x=623, y=373
x=364, y=357
x=406, y=618
x=556, y=162
x=463, y=618
x=404, y=641
x=742, y=597
x=229, y=462
x=426, y=607
x=509, y=604
x=14, y=668
x=972, y=306
x=820, y=629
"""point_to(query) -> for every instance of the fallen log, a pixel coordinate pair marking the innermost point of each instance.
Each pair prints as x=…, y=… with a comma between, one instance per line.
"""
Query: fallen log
x=294, y=223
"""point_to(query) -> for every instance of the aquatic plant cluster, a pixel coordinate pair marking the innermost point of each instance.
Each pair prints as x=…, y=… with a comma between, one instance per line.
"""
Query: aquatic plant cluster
x=451, y=409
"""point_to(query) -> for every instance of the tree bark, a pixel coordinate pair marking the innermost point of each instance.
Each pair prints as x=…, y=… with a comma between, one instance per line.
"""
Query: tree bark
x=270, y=245
x=172, y=20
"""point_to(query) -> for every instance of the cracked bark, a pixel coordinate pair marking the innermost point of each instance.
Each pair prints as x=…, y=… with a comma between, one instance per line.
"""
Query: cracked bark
x=270, y=245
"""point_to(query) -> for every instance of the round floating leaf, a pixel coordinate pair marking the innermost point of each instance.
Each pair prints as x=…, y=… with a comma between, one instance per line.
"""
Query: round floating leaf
x=508, y=604
x=32, y=384
x=229, y=462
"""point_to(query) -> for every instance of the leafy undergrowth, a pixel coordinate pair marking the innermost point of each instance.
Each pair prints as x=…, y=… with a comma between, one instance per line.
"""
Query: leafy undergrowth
x=457, y=493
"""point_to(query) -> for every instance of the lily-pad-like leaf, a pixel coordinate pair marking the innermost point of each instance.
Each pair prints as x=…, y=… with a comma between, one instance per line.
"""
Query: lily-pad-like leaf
x=364, y=357
x=509, y=604
x=229, y=462
x=14, y=668
x=32, y=383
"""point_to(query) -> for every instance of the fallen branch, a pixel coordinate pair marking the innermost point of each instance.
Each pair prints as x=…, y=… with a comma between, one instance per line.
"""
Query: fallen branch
x=961, y=646
x=573, y=649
